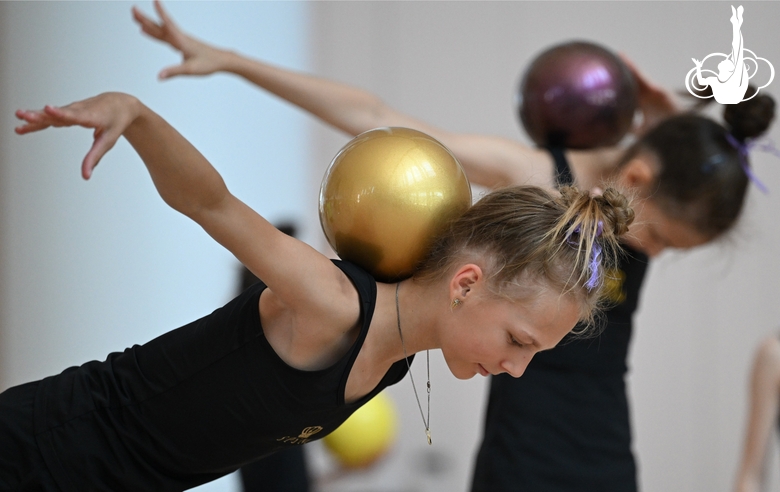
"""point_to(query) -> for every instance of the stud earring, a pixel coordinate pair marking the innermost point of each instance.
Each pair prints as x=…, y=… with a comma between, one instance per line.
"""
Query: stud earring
x=456, y=302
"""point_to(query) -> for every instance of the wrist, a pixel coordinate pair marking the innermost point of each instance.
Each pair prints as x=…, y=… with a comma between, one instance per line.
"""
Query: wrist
x=137, y=115
x=230, y=61
x=135, y=107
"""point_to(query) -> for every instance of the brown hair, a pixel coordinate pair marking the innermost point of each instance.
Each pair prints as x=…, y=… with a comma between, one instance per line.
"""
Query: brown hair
x=701, y=179
x=525, y=234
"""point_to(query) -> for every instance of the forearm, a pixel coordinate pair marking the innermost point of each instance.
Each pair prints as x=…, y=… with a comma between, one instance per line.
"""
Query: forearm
x=184, y=178
x=347, y=108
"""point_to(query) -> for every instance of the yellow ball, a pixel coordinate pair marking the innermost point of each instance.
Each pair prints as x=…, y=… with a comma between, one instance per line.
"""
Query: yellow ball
x=386, y=195
x=366, y=435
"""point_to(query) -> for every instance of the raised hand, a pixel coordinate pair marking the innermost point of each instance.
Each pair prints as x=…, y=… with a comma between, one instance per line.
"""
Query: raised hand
x=655, y=102
x=198, y=58
x=108, y=114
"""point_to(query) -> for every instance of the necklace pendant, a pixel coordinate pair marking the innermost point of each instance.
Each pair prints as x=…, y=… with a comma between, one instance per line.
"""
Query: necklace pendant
x=428, y=434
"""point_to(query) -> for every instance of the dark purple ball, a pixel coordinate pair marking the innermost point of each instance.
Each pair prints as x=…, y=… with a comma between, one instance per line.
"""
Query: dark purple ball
x=577, y=95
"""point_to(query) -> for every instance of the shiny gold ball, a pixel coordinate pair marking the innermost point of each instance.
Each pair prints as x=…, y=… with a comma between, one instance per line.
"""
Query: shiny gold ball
x=386, y=195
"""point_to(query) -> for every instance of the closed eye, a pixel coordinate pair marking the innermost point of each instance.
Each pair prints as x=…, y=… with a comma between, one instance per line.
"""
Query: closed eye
x=513, y=341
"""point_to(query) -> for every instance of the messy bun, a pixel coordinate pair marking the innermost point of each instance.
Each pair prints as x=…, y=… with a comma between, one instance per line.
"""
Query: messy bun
x=524, y=236
x=611, y=207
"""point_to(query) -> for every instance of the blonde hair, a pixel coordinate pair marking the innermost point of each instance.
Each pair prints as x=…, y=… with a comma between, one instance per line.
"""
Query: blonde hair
x=565, y=241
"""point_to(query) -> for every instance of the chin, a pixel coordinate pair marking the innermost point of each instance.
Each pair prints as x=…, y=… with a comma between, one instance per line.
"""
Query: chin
x=461, y=373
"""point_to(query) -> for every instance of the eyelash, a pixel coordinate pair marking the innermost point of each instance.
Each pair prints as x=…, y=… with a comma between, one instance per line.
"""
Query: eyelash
x=513, y=341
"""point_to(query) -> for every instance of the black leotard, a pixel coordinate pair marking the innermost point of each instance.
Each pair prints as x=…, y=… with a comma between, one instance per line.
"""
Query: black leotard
x=564, y=425
x=191, y=405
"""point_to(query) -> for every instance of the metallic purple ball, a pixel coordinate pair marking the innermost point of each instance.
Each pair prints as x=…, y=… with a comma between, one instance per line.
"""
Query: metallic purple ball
x=577, y=95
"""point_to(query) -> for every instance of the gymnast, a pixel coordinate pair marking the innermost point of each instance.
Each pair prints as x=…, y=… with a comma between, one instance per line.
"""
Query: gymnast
x=564, y=425
x=292, y=357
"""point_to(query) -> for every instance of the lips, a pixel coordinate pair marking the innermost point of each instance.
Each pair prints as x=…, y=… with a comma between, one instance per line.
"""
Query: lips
x=482, y=370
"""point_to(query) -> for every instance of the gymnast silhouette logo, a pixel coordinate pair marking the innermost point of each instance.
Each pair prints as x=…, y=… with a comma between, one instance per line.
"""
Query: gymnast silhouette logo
x=730, y=83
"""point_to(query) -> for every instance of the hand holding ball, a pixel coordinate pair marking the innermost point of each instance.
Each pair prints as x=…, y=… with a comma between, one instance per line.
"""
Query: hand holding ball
x=386, y=195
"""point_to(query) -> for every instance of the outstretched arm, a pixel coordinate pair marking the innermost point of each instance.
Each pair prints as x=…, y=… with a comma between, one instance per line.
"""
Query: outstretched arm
x=763, y=414
x=189, y=183
x=489, y=161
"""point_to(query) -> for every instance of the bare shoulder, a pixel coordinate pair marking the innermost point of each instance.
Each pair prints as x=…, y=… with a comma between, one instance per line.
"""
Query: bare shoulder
x=315, y=334
x=335, y=300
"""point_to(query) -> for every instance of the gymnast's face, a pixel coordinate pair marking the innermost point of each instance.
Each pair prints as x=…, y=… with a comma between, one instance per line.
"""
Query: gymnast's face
x=493, y=335
x=653, y=231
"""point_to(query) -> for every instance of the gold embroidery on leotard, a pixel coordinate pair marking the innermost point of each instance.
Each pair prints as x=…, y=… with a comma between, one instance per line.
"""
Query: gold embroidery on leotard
x=303, y=437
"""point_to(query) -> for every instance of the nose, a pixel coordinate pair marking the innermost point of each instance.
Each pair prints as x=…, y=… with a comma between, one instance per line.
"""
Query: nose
x=516, y=368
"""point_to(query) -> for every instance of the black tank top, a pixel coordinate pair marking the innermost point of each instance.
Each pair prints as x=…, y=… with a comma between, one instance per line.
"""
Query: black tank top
x=193, y=404
x=564, y=425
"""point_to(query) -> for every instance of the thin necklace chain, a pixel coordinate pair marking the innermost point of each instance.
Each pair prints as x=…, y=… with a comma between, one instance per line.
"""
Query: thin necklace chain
x=427, y=421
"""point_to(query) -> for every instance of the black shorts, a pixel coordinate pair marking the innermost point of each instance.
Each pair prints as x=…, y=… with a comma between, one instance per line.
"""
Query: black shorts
x=22, y=468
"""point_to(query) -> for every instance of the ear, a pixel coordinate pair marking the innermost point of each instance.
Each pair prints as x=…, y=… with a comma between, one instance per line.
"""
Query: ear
x=464, y=280
x=638, y=173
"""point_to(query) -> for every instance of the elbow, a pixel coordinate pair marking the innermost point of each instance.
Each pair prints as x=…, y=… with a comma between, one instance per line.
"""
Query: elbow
x=199, y=208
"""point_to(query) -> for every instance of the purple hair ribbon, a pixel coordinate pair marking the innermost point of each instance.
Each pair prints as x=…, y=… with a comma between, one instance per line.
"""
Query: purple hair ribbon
x=595, y=256
x=744, y=150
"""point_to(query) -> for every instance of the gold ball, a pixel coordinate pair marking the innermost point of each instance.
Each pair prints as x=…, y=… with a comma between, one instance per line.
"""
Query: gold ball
x=385, y=197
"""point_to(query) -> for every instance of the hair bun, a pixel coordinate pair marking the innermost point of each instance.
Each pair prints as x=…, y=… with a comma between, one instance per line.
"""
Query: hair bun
x=572, y=195
x=611, y=207
x=751, y=118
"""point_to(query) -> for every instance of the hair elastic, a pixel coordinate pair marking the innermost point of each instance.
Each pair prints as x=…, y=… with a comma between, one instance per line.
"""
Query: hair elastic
x=744, y=150
x=595, y=255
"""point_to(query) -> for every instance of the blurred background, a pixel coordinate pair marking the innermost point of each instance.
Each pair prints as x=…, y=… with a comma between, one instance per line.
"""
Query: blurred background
x=87, y=268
